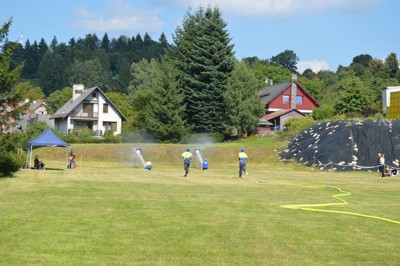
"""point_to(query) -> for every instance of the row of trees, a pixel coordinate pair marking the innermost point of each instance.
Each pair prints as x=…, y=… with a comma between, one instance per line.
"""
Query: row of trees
x=196, y=85
x=91, y=61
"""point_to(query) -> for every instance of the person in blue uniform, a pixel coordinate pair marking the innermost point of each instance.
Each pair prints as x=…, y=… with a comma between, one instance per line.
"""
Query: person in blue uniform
x=205, y=165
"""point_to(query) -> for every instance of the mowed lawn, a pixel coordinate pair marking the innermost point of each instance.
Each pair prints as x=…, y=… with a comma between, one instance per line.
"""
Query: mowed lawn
x=106, y=212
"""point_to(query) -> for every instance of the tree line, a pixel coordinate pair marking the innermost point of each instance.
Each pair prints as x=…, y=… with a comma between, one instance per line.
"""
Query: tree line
x=195, y=84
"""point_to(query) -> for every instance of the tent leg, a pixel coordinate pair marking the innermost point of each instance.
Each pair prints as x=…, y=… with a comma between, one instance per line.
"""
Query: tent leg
x=30, y=158
x=26, y=160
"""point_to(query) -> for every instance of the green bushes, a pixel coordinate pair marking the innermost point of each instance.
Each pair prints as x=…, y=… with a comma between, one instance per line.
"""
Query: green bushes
x=10, y=161
x=88, y=136
x=297, y=124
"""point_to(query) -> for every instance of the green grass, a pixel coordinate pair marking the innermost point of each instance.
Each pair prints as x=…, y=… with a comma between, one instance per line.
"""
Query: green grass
x=107, y=213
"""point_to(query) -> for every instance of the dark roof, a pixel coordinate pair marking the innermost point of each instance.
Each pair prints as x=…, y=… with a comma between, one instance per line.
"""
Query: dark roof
x=263, y=122
x=279, y=113
x=69, y=106
x=269, y=93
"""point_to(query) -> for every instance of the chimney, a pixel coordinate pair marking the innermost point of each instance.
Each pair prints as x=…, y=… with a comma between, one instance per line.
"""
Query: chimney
x=77, y=90
x=293, y=92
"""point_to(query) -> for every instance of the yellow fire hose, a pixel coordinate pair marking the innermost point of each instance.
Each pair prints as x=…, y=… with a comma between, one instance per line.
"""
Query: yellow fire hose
x=343, y=193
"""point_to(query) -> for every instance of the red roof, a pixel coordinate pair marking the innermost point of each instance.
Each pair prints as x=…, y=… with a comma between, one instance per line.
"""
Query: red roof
x=278, y=114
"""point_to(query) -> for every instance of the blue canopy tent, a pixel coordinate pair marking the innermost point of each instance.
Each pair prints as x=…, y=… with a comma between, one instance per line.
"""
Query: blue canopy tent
x=46, y=139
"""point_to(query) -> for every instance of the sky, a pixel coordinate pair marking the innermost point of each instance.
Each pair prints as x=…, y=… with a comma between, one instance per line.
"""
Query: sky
x=323, y=33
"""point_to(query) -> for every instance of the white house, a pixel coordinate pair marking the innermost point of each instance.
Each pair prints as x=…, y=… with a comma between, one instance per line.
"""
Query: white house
x=386, y=96
x=88, y=109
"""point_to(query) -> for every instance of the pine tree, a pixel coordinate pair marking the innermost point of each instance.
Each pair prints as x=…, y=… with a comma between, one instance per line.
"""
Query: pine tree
x=105, y=43
x=166, y=110
x=205, y=59
x=9, y=161
x=8, y=77
x=158, y=104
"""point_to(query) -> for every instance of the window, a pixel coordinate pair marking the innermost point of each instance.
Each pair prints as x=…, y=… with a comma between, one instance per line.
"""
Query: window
x=299, y=99
x=110, y=126
x=94, y=95
x=285, y=99
x=105, y=108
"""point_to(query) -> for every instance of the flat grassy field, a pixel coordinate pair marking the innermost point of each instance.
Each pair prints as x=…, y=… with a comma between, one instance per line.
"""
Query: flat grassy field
x=109, y=211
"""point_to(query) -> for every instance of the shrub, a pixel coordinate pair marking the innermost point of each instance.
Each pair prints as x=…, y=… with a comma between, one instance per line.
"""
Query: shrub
x=9, y=163
x=297, y=124
x=324, y=112
x=109, y=137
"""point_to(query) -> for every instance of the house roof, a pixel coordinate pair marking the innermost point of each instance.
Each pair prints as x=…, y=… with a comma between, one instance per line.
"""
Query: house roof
x=263, y=122
x=36, y=104
x=269, y=93
x=279, y=113
x=69, y=106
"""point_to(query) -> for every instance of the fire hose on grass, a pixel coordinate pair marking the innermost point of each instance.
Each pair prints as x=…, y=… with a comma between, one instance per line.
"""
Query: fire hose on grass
x=343, y=193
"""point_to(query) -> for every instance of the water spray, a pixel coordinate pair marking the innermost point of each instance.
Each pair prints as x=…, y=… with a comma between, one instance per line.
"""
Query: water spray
x=197, y=153
x=137, y=153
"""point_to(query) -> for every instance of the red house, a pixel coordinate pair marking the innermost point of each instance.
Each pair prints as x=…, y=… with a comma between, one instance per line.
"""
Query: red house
x=286, y=98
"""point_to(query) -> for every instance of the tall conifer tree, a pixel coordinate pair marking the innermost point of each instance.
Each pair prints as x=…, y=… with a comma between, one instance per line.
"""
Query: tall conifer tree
x=157, y=101
x=205, y=59
x=8, y=78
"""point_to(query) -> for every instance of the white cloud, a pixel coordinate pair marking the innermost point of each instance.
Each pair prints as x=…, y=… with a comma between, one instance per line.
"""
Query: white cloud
x=274, y=8
x=314, y=65
x=118, y=16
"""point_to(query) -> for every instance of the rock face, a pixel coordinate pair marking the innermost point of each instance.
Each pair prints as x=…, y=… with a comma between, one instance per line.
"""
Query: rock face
x=346, y=145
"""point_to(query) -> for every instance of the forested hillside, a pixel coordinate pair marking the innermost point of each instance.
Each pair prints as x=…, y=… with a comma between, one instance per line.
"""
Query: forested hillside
x=194, y=84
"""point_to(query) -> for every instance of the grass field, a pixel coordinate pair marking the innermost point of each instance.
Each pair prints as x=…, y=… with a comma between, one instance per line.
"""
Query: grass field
x=106, y=212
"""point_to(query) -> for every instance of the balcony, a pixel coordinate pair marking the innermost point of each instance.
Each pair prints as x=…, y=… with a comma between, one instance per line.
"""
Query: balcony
x=85, y=116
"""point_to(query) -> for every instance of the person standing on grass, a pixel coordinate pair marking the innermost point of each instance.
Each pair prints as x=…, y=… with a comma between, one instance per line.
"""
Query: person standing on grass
x=381, y=165
x=71, y=159
x=242, y=162
x=187, y=156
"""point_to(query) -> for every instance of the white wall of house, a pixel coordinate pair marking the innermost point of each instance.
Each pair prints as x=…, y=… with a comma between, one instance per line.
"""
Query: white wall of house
x=41, y=110
x=386, y=96
x=108, y=117
x=105, y=116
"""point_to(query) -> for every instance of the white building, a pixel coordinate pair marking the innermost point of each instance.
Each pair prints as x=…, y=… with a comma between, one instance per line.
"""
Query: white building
x=88, y=109
x=386, y=96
